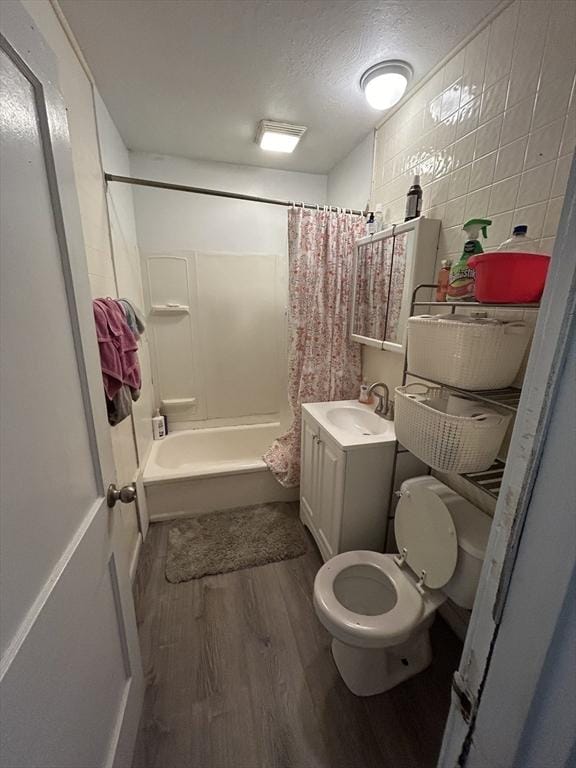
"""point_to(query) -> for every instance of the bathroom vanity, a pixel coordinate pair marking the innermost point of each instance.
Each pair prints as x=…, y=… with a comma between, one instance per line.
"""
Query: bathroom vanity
x=346, y=470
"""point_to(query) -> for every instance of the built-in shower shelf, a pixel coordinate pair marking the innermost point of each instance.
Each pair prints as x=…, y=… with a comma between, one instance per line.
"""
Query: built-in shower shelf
x=170, y=309
x=178, y=402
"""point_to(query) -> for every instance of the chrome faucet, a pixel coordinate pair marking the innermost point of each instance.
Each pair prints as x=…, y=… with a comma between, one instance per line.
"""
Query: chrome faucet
x=384, y=408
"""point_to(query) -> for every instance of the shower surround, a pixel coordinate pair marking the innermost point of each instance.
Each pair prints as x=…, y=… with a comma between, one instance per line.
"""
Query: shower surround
x=221, y=354
x=232, y=356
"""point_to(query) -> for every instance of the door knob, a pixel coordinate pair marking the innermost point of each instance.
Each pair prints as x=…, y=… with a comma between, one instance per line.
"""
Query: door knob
x=126, y=494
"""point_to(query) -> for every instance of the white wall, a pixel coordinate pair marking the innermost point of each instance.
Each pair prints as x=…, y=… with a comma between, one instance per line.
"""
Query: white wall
x=232, y=350
x=349, y=182
x=127, y=267
x=77, y=90
x=177, y=221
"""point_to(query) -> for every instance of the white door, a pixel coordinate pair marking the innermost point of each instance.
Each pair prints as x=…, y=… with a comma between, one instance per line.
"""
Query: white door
x=71, y=681
x=330, y=497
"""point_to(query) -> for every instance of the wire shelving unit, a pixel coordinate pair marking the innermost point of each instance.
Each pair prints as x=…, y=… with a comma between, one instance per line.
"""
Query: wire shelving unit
x=488, y=480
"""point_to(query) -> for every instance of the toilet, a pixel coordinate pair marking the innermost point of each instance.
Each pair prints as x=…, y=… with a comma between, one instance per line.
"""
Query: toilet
x=379, y=607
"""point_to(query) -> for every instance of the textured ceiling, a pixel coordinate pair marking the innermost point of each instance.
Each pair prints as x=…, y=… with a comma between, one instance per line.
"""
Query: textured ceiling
x=194, y=77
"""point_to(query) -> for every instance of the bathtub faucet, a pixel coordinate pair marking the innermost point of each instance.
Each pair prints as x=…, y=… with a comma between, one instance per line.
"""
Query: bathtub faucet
x=384, y=408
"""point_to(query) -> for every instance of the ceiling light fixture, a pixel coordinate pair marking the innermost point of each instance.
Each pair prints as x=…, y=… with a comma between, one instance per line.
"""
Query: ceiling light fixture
x=278, y=137
x=384, y=84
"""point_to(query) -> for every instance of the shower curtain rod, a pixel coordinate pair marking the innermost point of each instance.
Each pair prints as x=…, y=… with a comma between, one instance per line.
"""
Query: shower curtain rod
x=221, y=193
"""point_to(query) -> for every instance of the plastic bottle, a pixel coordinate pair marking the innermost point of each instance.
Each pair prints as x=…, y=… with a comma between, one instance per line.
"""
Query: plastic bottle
x=443, y=278
x=462, y=276
x=158, y=426
x=370, y=224
x=379, y=218
x=519, y=241
x=364, y=397
x=414, y=200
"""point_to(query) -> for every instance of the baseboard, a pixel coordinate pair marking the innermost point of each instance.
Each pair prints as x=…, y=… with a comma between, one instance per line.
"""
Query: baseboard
x=135, y=557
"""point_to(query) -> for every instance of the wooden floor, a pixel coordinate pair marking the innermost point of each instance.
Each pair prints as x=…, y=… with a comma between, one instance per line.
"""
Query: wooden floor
x=239, y=675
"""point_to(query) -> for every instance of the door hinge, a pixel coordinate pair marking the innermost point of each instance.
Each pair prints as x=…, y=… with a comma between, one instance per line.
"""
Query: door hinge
x=466, y=700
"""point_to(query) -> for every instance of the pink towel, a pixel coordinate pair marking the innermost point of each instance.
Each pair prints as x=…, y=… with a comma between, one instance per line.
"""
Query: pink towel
x=118, y=347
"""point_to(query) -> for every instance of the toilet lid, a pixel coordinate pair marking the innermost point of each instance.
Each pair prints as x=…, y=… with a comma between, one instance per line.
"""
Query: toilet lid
x=424, y=528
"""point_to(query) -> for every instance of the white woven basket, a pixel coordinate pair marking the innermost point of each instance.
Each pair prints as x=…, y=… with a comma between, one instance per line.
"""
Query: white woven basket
x=466, y=352
x=445, y=441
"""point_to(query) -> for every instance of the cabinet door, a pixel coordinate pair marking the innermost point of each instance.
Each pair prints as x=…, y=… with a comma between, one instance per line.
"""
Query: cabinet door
x=332, y=463
x=372, y=265
x=309, y=469
x=397, y=288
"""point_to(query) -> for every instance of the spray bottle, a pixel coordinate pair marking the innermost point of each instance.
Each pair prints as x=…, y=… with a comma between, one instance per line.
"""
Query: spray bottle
x=462, y=276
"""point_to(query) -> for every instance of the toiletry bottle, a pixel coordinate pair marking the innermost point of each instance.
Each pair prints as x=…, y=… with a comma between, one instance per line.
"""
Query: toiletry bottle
x=379, y=218
x=414, y=200
x=364, y=397
x=158, y=428
x=370, y=224
x=519, y=241
x=443, y=277
x=462, y=276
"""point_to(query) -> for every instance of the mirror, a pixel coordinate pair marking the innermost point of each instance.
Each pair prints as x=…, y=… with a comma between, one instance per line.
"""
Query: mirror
x=379, y=283
x=372, y=278
x=394, y=331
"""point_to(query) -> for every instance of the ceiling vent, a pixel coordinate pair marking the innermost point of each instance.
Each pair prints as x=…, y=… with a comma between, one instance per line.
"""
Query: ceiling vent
x=279, y=137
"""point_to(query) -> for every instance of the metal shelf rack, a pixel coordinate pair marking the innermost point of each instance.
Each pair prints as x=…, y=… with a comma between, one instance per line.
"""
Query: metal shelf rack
x=490, y=479
x=467, y=304
x=503, y=398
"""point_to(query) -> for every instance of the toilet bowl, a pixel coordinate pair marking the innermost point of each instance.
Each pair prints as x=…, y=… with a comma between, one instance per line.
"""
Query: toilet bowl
x=379, y=607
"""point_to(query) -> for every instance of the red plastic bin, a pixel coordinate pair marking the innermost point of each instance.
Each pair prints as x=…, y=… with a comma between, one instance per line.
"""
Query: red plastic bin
x=509, y=277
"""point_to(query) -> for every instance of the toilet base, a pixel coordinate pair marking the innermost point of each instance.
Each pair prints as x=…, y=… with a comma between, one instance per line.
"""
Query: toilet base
x=368, y=671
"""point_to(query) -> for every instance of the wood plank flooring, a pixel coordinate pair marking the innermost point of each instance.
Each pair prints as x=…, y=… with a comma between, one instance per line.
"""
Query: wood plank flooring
x=239, y=675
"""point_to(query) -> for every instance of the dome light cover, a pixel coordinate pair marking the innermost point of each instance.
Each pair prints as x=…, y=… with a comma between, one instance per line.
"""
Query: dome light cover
x=384, y=84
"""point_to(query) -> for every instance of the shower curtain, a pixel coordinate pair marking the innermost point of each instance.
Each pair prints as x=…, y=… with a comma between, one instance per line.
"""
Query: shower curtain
x=323, y=364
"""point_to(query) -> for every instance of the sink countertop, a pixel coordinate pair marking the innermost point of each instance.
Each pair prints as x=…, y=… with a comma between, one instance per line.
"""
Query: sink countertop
x=358, y=434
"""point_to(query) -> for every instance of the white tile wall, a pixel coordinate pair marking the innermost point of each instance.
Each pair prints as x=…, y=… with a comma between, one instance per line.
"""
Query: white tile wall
x=491, y=134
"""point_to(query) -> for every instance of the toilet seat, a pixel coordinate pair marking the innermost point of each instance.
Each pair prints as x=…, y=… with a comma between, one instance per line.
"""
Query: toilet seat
x=425, y=532
x=360, y=629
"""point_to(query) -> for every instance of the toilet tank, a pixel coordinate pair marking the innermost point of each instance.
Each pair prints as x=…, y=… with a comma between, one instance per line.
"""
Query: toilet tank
x=472, y=531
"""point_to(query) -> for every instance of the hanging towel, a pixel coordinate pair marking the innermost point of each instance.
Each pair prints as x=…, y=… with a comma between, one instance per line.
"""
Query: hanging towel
x=120, y=407
x=118, y=347
x=134, y=317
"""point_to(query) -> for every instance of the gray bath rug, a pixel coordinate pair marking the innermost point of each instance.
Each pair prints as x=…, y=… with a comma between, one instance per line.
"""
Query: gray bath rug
x=219, y=542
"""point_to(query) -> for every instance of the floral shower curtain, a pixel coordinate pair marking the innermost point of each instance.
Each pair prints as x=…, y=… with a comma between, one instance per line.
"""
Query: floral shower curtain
x=323, y=364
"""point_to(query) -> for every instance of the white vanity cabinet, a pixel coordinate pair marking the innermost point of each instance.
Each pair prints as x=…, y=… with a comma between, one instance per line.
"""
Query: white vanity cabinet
x=344, y=489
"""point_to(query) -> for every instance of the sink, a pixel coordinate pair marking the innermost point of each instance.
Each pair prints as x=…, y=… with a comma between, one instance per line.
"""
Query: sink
x=358, y=420
x=351, y=424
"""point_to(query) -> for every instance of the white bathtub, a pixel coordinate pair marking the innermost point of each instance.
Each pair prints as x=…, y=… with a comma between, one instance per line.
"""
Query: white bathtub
x=201, y=470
